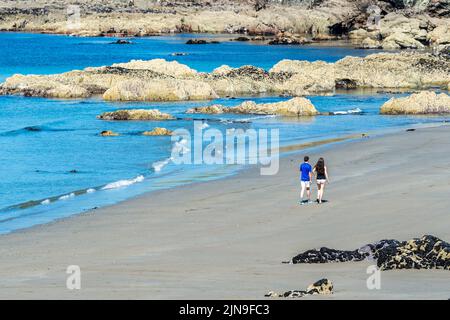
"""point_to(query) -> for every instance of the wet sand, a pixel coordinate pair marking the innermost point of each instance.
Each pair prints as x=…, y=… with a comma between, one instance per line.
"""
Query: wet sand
x=226, y=239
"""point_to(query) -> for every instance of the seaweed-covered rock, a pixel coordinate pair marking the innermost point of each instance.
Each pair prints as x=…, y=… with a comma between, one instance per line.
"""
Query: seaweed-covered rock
x=428, y=252
x=135, y=114
x=323, y=286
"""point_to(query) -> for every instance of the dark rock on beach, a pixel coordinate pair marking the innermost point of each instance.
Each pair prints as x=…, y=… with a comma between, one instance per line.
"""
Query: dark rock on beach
x=323, y=286
x=428, y=252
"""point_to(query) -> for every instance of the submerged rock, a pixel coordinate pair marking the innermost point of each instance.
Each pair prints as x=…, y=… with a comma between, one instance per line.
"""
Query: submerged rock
x=323, y=286
x=201, y=41
x=135, y=114
x=294, y=107
x=428, y=252
x=425, y=102
x=158, y=132
x=108, y=133
x=122, y=41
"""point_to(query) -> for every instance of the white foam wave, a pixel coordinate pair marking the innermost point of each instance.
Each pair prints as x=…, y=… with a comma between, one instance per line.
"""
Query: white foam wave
x=157, y=166
x=123, y=183
x=351, y=111
x=45, y=202
x=91, y=190
x=67, y=196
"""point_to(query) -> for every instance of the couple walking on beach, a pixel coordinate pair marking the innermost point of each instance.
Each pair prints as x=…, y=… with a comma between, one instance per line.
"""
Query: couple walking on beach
x=306, y=176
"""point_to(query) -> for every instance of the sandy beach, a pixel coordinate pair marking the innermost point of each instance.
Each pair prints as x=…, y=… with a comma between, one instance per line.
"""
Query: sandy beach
x=226, y=239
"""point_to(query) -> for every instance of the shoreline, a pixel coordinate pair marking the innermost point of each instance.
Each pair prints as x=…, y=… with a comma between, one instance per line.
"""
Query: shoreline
x=285, y=151
x=199, y=241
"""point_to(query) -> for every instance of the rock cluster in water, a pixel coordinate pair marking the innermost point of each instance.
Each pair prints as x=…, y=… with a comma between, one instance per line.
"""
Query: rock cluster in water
x=428, y=252
x=323, y=286
x=161, y=80
x=136, y=114
x=425, y=102
x=294, y=107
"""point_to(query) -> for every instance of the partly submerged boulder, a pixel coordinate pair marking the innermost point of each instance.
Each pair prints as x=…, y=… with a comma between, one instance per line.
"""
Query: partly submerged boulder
x=135, y=114
x=426, y=102
x=108, y=133
x=158, y=132
x=294, y=107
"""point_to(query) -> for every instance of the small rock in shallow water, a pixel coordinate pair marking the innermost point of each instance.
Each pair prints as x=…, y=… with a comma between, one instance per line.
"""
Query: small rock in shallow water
x=121, y=41
x=108, y=133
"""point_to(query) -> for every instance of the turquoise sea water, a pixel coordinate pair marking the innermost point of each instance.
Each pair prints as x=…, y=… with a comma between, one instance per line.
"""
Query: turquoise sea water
x=51, y=153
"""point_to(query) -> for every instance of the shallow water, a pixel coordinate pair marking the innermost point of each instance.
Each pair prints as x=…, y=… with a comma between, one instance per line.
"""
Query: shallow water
x=55, y=164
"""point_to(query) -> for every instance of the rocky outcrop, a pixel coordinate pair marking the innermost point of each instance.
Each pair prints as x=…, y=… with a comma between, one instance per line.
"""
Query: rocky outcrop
x=160, y=80
x=158, y=132
x=428, y=252
x=323, y=286
x=426, y=102
x=294, y=107
x=318, y=19
x=135, y=114
x=143, y=18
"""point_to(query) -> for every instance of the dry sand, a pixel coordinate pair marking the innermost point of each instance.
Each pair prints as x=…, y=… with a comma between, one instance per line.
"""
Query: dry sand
x=226, y=239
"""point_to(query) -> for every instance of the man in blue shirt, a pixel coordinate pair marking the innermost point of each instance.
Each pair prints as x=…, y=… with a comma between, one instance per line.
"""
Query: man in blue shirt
x=305, y=179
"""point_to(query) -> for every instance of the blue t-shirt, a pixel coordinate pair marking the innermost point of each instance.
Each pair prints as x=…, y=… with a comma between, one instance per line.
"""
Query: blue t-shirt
x=305, y=169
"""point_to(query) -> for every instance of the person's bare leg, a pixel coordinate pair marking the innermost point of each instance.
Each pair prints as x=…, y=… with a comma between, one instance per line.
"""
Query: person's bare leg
x=302, y=192
x=318, y=191
x=322, y=189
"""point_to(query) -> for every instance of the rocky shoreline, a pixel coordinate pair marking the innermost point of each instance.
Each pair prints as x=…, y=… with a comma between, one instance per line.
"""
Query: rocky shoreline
x=388, y=24
x=160, y=80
